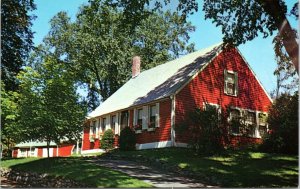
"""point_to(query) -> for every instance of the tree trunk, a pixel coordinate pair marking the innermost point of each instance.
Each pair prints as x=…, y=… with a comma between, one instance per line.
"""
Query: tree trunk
x=48, y=145
x=273, y=8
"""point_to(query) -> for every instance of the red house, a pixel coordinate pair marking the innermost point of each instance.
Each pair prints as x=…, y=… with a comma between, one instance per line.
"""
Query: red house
x=39, y=149
x=155, y=100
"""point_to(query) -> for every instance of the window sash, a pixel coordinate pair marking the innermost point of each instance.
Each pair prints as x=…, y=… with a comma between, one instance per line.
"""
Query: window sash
x=230, y=83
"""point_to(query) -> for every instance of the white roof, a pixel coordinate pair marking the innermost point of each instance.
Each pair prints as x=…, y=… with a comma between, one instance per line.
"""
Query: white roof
x=157, y=83
x=34, y=144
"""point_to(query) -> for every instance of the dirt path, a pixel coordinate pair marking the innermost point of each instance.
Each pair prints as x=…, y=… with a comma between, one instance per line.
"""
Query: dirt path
x=155, y=177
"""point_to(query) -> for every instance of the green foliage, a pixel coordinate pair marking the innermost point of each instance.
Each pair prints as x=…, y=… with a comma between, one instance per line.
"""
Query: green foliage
x=127, y=139
x=9, y=117
x=107, y=141
x=207, y=130
x=283, y=125
x=99, y=45
x=48, y=102
x=16, y=39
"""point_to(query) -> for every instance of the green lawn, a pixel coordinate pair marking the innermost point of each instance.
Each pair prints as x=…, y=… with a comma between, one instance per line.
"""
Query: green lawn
x=231, y=169
x=76, y=169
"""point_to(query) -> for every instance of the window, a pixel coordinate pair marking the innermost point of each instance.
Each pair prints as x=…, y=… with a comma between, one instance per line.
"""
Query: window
x=251, y=123
x=103, y=124
x=139, y=119
x=124, y=119
x=23, y=152
x=93, y=128
x=113, y=122
x=231, y=83
x=235, y=121
x=32, y=152
x=262, y=130
x=152, y=116
x=262, y=120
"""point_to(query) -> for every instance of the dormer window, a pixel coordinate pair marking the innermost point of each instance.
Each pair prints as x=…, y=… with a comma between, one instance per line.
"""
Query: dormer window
x=230, y=83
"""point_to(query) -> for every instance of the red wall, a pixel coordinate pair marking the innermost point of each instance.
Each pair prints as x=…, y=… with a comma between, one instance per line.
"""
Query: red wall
x=15, y=153
x=40, y=152
x=65, y=150
x=208, y=86
x=163, y=133
x=86, y=144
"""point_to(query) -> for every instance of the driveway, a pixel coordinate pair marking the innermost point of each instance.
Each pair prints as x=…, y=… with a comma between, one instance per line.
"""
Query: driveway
x=155, y=177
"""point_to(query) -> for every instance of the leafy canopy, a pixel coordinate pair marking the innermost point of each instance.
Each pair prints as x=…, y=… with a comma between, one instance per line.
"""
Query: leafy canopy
x=99, y=45
x=16, y=39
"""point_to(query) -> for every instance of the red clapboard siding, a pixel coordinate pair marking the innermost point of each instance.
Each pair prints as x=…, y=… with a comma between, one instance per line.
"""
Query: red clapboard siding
x=208, y=86
x=15, y=153
x=163, y=133
x=40, y=152
x=65, y=150
x=86, y=144
x=131, y=118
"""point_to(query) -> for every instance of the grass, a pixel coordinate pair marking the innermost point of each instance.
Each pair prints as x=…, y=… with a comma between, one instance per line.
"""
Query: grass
x=230, y=169
x=76, y=169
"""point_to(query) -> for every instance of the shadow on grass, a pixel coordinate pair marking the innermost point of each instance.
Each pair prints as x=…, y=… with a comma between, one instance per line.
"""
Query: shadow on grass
x=231, y=168
x=81, y=171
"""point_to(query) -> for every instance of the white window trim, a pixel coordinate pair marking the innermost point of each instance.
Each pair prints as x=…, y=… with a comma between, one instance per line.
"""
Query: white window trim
x=242, y=110
x=213, y=104
x=235, y=79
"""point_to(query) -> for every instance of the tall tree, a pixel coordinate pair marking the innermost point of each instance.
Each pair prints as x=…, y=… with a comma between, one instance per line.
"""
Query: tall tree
x=49, y=106
x=287, y=78
x=9, y=117
x=241, y=21
x=99, y=45
x=16, y=38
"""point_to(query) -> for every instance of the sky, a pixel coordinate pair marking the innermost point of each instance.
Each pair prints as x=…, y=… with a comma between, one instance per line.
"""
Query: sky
x=258, y=53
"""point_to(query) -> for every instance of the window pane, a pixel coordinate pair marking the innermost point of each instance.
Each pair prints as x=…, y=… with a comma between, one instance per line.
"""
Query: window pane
x=153, y=110
x=251, y=130
x=262, y=118
x=230, y=88
x=235, y=114
x=113, y=120
x=262, y=130
x=230, y=77
x=140, y=113
x=250, y=117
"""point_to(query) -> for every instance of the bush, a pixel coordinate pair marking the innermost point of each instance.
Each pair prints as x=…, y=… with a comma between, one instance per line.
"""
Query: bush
x=206, y=129
x=107, y=141
x=127, y=139
x=283, y=124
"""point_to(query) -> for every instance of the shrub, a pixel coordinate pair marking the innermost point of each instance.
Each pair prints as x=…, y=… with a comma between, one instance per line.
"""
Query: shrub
x=127, y=139
x=283, y=124
x=107, y=141
x=206, y=129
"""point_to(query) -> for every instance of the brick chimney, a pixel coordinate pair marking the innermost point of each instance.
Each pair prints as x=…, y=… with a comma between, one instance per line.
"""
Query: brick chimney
x=136, y=64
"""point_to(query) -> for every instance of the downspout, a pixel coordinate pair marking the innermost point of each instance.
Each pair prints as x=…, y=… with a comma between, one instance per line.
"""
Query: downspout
x=173, y=143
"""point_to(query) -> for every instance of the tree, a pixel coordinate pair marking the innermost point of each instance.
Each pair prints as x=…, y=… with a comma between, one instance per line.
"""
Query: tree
x=241, y=21
x=99, y=45
x=16, y=38
x=48, y=103
x=287, y=79
x=283, y=125
x=9, y=117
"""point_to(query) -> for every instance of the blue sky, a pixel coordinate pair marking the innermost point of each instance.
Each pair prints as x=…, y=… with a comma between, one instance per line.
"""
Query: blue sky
x=258, y=52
